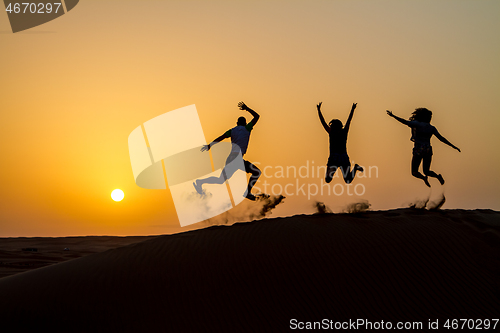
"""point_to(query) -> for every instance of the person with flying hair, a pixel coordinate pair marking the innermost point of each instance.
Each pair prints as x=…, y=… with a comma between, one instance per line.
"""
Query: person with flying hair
x=421, y=133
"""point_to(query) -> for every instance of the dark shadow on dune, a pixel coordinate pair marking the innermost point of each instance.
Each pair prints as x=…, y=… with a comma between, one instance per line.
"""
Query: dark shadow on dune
x=257, y=277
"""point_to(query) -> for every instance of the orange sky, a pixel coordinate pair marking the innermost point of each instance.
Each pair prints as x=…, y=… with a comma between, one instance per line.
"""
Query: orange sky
x=74, y=88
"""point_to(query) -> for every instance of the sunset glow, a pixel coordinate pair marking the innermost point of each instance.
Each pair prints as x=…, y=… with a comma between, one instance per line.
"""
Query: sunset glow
x=73, y=90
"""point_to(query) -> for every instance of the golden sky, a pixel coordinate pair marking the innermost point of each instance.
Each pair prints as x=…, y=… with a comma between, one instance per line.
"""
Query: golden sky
x=74, y=88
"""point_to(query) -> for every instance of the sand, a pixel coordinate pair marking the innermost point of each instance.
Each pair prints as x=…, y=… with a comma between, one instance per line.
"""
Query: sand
x=51, y=250
x=399, y=265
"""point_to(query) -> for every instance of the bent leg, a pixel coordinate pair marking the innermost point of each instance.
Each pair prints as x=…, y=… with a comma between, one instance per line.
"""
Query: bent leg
x=427, y=166
x=330, y=172
x=427, y=169
x=415, y=164
x=349, y=174
x=255, y=174
x=226, y=173
x=212, y=180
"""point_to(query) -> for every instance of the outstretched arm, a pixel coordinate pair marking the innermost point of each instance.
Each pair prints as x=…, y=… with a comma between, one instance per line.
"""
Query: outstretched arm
x=348, y=122
x=255, y=115
x=322, y=119
x=219, y=139
x=401, y=120
x=443, y=140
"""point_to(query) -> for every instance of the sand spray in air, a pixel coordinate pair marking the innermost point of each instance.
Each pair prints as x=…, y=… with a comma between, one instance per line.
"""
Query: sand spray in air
x=248, y=210
x=430, y=202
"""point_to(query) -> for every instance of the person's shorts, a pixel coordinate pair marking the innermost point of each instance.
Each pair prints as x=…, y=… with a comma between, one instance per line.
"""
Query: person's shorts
x=249, y=167
x=422, y=150
x=338, y=160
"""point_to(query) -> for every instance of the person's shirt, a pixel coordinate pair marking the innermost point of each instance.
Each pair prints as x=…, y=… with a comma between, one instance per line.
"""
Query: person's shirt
x=421, y=132
x=240, y=135
x=338, y=141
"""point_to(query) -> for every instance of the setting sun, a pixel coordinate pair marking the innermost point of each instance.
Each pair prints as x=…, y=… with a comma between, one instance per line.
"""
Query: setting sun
x=117, y=195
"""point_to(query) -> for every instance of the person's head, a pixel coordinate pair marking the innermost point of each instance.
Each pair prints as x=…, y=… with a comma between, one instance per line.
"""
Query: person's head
x=241, y=121
x=421, y=114
x=335, y=125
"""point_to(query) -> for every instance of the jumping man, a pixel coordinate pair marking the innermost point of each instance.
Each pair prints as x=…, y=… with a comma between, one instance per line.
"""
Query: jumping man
x=240, y=136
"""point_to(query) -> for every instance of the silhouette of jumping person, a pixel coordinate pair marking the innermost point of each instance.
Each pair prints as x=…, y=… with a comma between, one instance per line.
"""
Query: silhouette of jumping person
x=338, y=147
x=421, y=133
x=240, y=136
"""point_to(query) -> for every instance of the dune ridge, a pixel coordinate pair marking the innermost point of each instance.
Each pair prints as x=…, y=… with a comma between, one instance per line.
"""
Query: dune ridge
x=399, y=265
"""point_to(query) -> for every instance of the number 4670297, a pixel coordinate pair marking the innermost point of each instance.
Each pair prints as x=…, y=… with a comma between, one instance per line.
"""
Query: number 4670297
x=33, y=8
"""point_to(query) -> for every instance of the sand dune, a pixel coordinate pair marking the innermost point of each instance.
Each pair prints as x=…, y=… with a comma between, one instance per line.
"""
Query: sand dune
x=400, y=265
x=50, y=250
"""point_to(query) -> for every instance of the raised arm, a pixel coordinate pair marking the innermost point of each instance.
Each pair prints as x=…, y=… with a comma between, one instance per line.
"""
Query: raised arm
x=443, y=140
x=255, y=115
x=401, y=120
x=219, y=139
x=348, y=122
x=322, y=119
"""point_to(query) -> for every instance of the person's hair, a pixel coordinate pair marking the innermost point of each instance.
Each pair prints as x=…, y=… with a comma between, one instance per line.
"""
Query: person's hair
x=421, y=114
x=335, y=125
x=241, y=121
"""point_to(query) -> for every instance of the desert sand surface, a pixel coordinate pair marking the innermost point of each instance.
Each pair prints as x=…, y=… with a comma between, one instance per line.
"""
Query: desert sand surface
x=398, y=265
x=51, y=250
